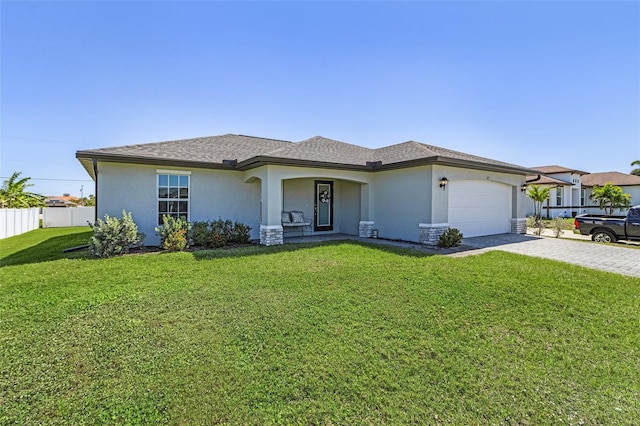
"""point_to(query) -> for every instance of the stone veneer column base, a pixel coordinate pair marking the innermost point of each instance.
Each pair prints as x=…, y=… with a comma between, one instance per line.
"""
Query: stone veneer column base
x=519, y=226
x=365, y=229
x=430, y=232
x=271, y=235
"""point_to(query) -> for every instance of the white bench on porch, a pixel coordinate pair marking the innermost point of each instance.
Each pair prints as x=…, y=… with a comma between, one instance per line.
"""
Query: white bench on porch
x=295, y=219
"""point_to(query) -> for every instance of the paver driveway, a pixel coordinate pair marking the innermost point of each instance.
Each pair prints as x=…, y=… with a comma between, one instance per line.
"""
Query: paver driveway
x=606, y=257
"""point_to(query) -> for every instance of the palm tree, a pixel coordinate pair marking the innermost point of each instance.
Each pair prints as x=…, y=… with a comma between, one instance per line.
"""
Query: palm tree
x=611, y=197
x=13, y=194
x=636, y=171
x=539, y=194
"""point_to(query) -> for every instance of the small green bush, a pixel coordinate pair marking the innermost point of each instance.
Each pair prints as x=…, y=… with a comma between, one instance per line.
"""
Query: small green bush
x=240, y=233
x=217, y=239
x=113, y=236
x=200, y=233
x=220, y=232
x=173, y=233
x=224, y=227
x=452, y=237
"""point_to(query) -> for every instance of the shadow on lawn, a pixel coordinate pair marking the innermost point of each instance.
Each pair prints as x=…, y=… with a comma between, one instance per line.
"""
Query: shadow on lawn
x=255, y=250
x=48, y=250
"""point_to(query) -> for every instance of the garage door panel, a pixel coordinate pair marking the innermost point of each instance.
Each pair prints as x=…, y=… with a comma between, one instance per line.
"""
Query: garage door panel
x=479, y=207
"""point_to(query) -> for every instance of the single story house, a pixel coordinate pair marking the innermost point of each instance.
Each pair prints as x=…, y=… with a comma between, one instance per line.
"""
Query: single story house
x=571, y=189
x=409, y=191
x=65, y=200
x=629, y=184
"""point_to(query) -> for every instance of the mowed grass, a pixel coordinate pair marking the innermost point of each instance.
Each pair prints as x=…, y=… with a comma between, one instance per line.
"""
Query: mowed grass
x=337, y=333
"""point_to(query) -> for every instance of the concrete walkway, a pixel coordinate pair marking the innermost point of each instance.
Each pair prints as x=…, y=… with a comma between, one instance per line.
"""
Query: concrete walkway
x=606, y=257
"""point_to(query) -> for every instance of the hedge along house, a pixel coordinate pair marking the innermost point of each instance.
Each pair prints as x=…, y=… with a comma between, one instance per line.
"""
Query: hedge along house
x=409, y=191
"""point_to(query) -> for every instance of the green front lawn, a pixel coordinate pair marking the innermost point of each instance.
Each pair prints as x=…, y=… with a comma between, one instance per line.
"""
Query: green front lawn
x=337, y=333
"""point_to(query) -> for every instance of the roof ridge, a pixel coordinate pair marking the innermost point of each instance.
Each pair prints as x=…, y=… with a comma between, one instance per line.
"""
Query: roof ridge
x=258, y=137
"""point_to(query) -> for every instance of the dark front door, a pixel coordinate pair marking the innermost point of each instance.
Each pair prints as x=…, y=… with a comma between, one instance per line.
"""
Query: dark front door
x=323, y=206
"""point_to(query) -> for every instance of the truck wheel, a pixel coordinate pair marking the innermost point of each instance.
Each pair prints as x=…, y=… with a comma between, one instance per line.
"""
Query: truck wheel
x=603, y=237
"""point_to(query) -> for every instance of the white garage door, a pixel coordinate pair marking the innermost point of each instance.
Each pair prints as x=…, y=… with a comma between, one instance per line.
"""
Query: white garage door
x=479, y=207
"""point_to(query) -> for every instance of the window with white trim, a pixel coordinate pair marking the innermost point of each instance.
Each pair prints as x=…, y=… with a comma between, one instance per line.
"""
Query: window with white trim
x=559, y=196
x=173, y=196
x=583, y=197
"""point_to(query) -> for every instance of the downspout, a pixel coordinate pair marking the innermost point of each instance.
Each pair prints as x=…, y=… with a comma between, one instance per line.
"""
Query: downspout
x=534, y=180
x=95, y=172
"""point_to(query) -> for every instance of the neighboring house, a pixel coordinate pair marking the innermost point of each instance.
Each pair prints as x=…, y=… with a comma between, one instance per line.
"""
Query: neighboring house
x=65, y=200
x=629, y=184
x=409, y=191
x=571, y=190
x=566, y=197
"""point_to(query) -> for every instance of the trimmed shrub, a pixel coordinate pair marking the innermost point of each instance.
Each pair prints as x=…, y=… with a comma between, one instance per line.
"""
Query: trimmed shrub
x=217, y=239
x=113, y=236
x=173, y=233
x=240, y=233
x=452, y=237
x=218, y=233
x=200, y=233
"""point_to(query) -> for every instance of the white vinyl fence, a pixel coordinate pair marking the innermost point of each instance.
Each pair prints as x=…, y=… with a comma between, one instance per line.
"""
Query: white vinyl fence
x=57, y=217
x=18, y=221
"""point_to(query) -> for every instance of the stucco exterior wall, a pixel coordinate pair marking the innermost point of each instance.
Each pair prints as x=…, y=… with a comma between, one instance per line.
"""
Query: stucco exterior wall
x=213, y=194
x=348, y=194
x=402, y=200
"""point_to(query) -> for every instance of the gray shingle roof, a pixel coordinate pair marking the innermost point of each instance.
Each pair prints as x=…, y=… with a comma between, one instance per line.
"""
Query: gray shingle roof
x=324, y=150
x=213, y=150
x=413, y=150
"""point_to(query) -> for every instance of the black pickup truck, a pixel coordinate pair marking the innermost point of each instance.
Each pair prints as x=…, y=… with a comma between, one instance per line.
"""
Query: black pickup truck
x=609, y=229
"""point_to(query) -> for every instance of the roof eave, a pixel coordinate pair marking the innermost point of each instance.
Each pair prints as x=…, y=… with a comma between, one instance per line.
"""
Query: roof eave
x=119, y=158
x=86, y=157
x=455, y=162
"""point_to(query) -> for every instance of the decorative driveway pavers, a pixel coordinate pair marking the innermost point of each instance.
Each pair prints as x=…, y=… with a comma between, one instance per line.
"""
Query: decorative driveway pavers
x=606, y=257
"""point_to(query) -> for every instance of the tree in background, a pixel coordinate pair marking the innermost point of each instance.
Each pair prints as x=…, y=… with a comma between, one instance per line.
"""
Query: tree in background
x=635, y=171
x=13, y=194
x=539, y=194
x=611, y=197
x=88, y=201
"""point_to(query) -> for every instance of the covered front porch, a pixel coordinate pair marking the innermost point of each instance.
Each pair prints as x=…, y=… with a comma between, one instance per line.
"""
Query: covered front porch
x=327, y=202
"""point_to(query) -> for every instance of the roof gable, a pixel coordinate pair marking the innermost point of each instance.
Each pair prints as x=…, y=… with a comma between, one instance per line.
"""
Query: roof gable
x=325, y=150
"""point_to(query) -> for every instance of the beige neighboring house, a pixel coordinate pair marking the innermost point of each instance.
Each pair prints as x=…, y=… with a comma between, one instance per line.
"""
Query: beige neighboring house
x=65, y=200
x=409, y=191
x=629, y=184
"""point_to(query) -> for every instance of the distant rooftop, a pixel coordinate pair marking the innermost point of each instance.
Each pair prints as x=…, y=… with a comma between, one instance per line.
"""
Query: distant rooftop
x=616, y=178
x=558, y=169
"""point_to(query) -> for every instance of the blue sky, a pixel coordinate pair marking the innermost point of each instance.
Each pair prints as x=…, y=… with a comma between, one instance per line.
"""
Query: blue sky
x=531, y=83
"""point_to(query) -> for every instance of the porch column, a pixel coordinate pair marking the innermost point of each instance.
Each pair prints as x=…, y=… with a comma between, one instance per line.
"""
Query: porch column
x=366, y=225
x=271, y=226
